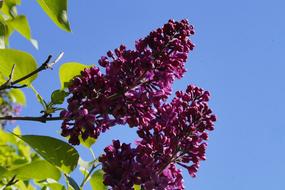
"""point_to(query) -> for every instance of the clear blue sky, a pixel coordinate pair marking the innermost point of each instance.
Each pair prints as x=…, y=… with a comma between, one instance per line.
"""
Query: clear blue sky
x=239, y=57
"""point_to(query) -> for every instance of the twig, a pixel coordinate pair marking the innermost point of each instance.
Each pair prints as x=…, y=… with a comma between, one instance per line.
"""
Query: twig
x=27, y=118
x=8, y=82
x=10, y=182
x=11, y=74
x=41, y=68
x=46, y=65
x=56, y=60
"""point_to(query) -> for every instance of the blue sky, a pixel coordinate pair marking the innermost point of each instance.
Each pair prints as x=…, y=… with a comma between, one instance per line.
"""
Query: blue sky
x=239, y=58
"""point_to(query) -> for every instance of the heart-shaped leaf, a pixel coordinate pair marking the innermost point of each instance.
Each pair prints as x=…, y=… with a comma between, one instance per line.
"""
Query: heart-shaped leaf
x=21, y=25
x=57, y=11
x=55, y=151
x=58, y=96
x=24, y=64
x=68, y=71
x=17, y=96
x=96, y=180
x=38, y=170
x=87, y=142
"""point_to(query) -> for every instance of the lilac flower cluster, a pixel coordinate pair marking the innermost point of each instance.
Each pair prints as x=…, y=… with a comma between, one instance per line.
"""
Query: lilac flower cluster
x=132, y=91
x=134, y=83
x=177, y=135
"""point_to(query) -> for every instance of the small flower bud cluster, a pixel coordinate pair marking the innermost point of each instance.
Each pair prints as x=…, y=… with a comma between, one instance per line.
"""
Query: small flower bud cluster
x=134, y=83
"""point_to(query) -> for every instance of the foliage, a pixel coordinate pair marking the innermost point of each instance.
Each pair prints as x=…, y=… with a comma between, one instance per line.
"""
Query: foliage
x=19, y=161
x=133, y=90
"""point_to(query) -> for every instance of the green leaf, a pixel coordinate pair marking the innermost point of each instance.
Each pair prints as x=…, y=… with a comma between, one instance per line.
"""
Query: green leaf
x=137, y=187
x=39, y=97
x=2, y=80
x=6, y=137
x=58, y=96
x=57, y=11
x=23, y=149
x=68, y=71
x=50, y=183
x=4, y=33
x=9, y=7
x=17, y=131
x=38, y=170
x=72, y=183
x=55, y=186
x=35, y=43
x=13, y=2
x=55, y=151
x=96, y=180
x=2, y=43
x=21, y=185
x=2, y=170
x=17, y=96
x=21, y=25
x=24, y=62
x=88, y=142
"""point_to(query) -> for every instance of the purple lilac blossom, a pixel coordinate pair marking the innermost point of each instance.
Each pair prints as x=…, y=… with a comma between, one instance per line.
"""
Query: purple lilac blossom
x=133, y=90
x=177, y=135
x=134, y=84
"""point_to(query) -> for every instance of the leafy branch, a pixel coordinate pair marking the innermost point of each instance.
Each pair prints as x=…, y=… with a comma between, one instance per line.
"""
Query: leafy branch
x=12, y=84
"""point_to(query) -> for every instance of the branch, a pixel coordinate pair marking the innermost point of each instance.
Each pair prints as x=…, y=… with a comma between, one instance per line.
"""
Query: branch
x=10, y=182
x=27, y=118
x=11, y=74
x=41, y=68
x=46, y=65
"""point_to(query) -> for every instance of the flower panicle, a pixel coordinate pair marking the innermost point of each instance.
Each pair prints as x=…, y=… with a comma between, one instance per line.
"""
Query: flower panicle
x=135, y=82
x=133, y=90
